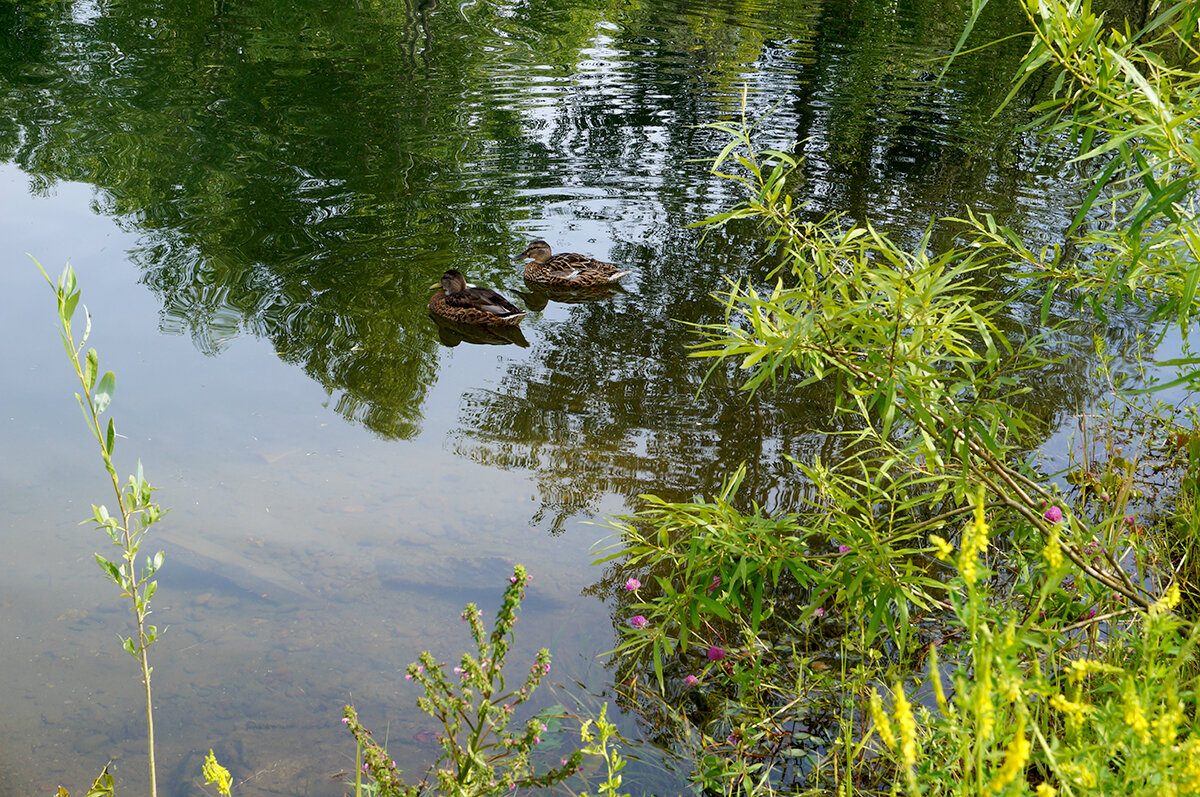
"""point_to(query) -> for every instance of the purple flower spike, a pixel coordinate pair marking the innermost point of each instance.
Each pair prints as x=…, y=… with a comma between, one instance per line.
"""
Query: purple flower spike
x=638, y=621
x=632, y=584
x=691, y=680
x=715, y=653
x=843, y=549
x=818, y=612
x=1053, y=514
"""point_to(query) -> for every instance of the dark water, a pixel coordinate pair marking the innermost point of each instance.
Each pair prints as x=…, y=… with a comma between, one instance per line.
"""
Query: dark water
x=257, y=197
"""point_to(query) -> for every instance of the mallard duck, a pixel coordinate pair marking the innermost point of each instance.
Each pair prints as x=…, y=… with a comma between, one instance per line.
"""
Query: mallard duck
x=567, y=269
x=457, y=301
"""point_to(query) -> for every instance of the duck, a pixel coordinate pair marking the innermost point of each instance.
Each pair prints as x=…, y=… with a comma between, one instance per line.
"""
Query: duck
x=566, y=269
x=467, y=304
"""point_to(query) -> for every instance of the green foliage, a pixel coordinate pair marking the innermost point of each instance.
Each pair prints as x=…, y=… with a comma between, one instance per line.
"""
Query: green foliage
x=101, y=787
x=1052, y=611
x=1130, y=101
x=1122, y=723
x=596, y=743
x=479, y=755
x=714, y=560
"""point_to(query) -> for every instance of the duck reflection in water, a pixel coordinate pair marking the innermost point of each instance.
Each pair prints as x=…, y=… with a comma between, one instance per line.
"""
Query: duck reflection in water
x=538, y=296
x=452, y=333
x=467, y=304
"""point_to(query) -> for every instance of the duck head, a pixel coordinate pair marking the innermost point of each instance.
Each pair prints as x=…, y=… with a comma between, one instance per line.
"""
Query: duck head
x=538, y=250
x=453, y=281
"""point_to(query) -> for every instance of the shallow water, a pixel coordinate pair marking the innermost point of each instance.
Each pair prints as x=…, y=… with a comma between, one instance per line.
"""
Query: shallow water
x=256, y=201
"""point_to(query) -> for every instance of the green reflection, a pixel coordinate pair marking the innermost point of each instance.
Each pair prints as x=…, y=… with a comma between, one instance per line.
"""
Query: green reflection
x=304, y=173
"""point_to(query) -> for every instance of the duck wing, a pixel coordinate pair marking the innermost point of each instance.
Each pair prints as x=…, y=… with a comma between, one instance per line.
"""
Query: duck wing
x=574, y=268
x=484, y=299
x=566, y=261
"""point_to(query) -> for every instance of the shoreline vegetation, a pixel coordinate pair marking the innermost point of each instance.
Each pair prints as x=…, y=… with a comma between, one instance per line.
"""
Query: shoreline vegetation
x=941, y=616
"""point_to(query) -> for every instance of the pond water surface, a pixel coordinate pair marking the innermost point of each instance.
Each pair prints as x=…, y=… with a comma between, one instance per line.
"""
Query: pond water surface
x=257, y=196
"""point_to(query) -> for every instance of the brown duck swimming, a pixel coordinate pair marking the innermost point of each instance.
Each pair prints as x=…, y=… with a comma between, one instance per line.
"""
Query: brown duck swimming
x=567, y=269
x=469, y=305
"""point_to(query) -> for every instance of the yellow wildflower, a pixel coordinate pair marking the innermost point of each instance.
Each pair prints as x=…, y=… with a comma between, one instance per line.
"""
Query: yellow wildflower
x=1052, y=553
x=1169, y=600
x=1075, y=712
x=1015, y=757
x=1082, y=776
x=944, y=549
x=882, y=724
x=975, y=542
x=1066, y=706
x=215, y=773
x=1046, y=790
x=1135, y=717
x=985, y=709
x=981, y=526
x=1166, y=727
x=1191, y=767
x=1081, y=668
x=907, y=725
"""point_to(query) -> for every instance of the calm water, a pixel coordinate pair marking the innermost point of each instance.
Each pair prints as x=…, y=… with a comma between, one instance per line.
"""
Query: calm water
x=257, y=199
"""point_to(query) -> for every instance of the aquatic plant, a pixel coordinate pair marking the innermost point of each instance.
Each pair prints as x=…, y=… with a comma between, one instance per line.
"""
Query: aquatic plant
x=479, y=754
x=136, y=510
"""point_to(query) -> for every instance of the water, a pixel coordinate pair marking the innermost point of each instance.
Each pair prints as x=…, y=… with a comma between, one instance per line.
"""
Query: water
x=257, y=200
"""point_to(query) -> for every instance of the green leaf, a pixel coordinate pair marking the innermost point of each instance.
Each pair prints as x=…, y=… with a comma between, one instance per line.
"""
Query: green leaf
x=110, y=569
x=110, y=437
x=101, y=787
x=104, y=392
x=658, y=662
x=1046, y=301
x=1097, y=186
x=91, y=363
x=712, y=607
x=69, y=305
